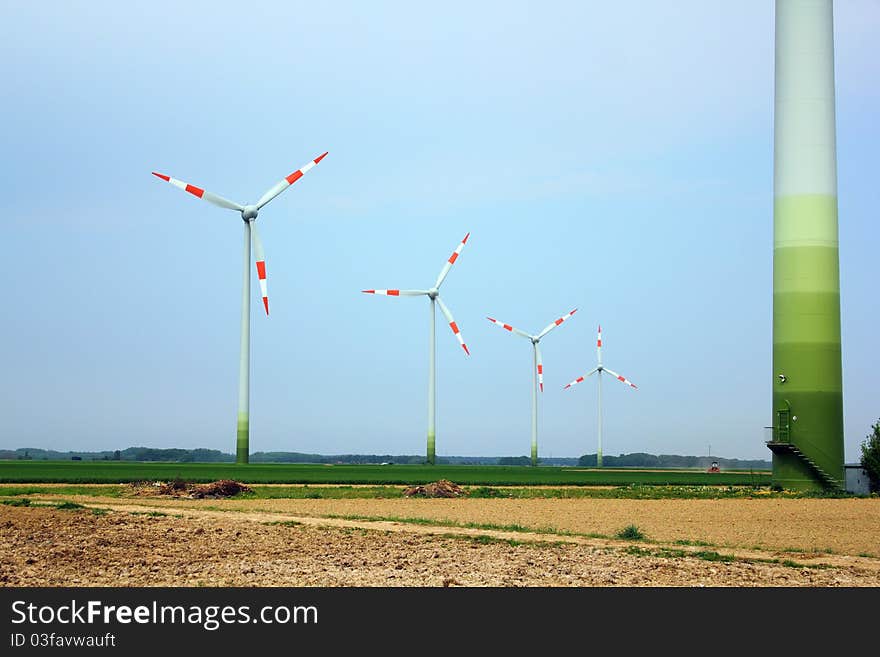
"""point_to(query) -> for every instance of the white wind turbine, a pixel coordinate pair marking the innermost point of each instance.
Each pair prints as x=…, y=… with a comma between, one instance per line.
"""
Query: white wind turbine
x=249, y=216
x=434, y=295
x=600, y=369
x=537, y=370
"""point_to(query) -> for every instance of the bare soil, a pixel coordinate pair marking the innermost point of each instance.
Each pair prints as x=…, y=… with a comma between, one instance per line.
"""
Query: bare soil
x=209, y=544
x=843, y=526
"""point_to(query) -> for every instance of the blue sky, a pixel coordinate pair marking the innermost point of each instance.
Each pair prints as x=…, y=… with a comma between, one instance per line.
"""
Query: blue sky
x=614, y=157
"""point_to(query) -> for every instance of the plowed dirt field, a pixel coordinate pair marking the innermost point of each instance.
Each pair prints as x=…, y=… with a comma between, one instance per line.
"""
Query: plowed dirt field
x=460, y=542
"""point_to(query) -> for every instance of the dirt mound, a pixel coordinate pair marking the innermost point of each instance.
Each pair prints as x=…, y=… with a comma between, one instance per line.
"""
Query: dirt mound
x=442, y=488
x=222, y=488
x=181, y=488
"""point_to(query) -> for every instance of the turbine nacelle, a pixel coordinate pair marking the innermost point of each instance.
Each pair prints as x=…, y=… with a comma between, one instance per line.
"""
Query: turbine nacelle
x=249, y=212
x=433, y=293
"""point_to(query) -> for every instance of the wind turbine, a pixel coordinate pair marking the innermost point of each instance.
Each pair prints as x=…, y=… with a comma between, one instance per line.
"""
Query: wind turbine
x=537, y=370
x=600, y=368
x=434, y=295
x=249, y=216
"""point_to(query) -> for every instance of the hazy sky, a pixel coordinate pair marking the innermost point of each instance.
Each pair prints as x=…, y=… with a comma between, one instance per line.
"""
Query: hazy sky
x=614, y=157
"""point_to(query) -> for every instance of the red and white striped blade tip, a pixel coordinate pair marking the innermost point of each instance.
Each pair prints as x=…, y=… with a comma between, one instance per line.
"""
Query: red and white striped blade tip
x=457, y=333
x=390, y=293
x=266, y=304
x=621, y=378
x=501, y=324
x=565, y=317
x=458, y=249
x=321, y=157
x=185, y=186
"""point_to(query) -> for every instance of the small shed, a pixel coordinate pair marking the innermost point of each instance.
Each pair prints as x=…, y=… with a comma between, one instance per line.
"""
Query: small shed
x=856, y=479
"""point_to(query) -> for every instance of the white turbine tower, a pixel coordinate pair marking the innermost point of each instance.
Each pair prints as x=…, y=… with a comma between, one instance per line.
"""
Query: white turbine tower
x=249, y=216
x=537, y=370
x=434, y=295
x=600, y=369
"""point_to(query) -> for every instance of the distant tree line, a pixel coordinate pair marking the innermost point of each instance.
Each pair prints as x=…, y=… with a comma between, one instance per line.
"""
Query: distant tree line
x=202, y=455
x=643, y=460
x=130, y=454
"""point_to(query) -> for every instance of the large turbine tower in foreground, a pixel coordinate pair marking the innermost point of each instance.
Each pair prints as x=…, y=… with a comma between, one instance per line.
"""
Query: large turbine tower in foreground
x=807, y=440
x=249, y=216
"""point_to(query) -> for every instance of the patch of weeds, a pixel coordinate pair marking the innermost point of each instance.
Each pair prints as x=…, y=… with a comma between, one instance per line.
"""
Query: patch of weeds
x=484, y=540
x=284, y=523
x=798, y=550
x=99, y=512
x=669, y=553
x=151, y=514
x=487, y=492
x=313, y=495
x=17, y=502
x=866, y=555
x=788, y=563
x=638, y=552
x=663, y=553
x=692, y=543
x=709, y=555
x=630, y=533
x=9, y=491
x=436, y=522
x=69, y=506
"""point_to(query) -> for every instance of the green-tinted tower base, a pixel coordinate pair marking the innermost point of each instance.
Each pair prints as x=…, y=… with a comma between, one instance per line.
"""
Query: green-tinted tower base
x=431, y=455
x=242, y=445
x=806, y=350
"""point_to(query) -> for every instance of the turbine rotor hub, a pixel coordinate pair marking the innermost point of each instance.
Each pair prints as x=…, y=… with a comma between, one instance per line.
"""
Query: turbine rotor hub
x=249, y=213
x=433, y=293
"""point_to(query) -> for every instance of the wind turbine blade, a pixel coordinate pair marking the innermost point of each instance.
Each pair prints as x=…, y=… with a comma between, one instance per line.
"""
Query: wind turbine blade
x=508, y=327
x=620, y=378
x=200, y=193
x=599, y=346
x=284, y=183
x=540, y=366
x=451, y=261
x=452, y=325
x=580, y=379
x=260, y=259
x=397, y=293
x=555, y=324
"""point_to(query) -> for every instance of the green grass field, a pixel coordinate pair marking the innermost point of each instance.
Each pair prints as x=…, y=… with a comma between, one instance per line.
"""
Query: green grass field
x=122, y=471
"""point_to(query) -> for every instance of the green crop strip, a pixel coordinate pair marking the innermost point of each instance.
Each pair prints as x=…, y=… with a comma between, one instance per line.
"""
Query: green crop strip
x=81, y=472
